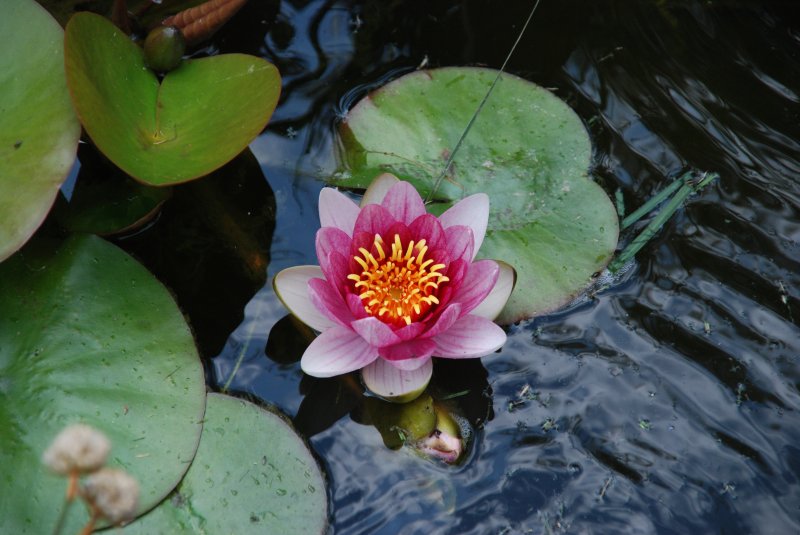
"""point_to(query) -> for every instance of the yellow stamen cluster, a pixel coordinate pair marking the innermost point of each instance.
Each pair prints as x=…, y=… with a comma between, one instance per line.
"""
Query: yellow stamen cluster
x=398, y=287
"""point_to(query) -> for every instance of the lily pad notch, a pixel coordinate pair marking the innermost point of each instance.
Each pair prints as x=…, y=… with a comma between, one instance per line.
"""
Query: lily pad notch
x=199, y=117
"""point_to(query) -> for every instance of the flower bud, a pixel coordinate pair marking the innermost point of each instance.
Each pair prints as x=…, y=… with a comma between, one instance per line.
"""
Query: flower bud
x=78, y=448
x=113, y=494
x=164, y=48
x=401, y=423
x=445, y=441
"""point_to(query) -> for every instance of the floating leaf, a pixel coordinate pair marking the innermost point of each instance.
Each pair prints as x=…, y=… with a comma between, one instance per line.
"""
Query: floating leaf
x=200, y=23
x=527, y=150
x=105, y=201
x=90, y=336
x=252, y=474
x=38, y=128
x=199, y=117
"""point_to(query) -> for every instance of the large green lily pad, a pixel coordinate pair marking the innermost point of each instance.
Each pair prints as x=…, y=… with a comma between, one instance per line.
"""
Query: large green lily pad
x=199, y=117
x=88, y=335
x=38, y=128
x=252, y=474
x=527, y=149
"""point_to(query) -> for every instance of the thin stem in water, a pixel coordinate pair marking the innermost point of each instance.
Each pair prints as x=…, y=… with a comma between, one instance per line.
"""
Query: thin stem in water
x=449, y=163
x=689, y=186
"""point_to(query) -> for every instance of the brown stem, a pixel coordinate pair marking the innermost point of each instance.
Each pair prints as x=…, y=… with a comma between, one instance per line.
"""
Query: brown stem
x=89, y=527
x=72, y=485
x=119, y=16
x=198, y=23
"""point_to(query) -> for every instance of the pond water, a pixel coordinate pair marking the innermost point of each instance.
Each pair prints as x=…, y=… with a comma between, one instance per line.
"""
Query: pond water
x=666, y=402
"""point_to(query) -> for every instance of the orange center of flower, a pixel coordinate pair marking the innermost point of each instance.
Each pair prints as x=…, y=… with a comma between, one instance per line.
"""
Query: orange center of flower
x=398, y=287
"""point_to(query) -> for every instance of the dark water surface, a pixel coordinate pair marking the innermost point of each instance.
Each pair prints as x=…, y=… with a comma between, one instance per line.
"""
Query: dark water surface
x=665, y=403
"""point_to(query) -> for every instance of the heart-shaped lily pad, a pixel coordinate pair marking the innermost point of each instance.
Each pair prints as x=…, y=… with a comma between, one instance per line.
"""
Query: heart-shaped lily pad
x=88, y=335
x=38, y=128
x=527, y=149
x=252, y=474
x=199, y=117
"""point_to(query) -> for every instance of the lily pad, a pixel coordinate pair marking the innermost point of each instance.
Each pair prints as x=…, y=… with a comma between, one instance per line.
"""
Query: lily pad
x=252, y=474
x=90, y=336
x=200, y=116
x=527, y=149
x=38, y=128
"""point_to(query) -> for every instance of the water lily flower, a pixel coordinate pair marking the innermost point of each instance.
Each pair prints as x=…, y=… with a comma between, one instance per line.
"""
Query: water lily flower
x=395, y=287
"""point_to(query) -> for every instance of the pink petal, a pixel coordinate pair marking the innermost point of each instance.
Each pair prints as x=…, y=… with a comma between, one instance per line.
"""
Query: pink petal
x=338, y=268
x=481, y=278
x=411, y=331
x=375, y=332
x=442, y=445
x=291, y=286
x=337, y=210
x=331, y=240
x=460, y=243
x=378, y=189
x=413, y=350
x=469, y=337
x=336, y=351
x=329, y=302
x=473, y=212
x=403, y=202
x=387, y=381
x=456, y=271
x=427, y=226
x=356, y=306
x=373, y=219
x=446, y=319
x=494, y=303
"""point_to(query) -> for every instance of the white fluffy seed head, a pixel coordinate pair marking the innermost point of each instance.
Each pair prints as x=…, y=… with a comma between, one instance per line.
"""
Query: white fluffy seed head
x=113, y=493
x=78, y=448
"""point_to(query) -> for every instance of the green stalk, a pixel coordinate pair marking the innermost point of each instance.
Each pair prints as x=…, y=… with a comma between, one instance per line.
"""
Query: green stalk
x=245, y=346
x=654, y=201
x=663, y=216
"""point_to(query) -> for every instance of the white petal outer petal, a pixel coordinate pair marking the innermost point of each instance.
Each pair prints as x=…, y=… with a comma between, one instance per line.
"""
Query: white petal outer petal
x=494, y=303
x=388, y=382
x=472, y=211
x=378, y=188
x=469, y=337
x=291, y=286
x=337, y=210
x=336, y=351
x=408, y=365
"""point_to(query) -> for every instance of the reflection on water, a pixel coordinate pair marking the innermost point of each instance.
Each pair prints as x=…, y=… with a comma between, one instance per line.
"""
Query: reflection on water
x=667, y=403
